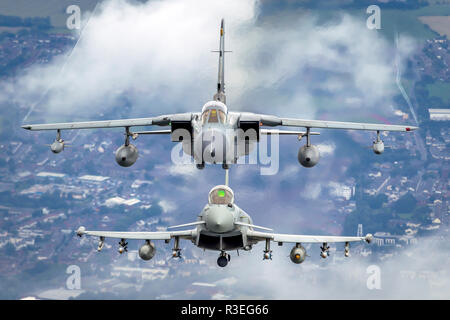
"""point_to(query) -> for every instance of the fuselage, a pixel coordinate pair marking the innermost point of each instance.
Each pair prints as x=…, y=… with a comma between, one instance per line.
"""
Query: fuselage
x=216, y=136
x=219, y=230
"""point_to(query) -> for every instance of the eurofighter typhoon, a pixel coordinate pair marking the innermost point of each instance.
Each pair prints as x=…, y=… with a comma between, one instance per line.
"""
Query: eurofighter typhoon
x=223, y=226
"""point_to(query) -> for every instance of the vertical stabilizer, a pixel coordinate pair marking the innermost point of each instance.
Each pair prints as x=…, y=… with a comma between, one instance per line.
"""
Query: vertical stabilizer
x=220, y=95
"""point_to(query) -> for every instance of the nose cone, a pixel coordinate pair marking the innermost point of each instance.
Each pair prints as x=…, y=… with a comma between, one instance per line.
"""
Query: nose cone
x=220, y=219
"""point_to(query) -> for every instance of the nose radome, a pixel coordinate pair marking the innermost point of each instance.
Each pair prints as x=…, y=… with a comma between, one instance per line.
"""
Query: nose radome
x=220, y=219
x=221, y=222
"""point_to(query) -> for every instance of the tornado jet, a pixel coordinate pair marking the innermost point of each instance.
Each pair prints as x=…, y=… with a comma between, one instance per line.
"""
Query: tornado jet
x=217, y=135
x=224, y=227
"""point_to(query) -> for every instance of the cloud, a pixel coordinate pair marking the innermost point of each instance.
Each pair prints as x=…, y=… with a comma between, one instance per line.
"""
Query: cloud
x=415, y=272
x=339, y=190
x=326, y=148
x=289, y=171
x=183, y=170
x=167, y=206
x=220, y=296
x=312, y=192
x=227, y=281
x=341, y=61
x=155, y=57
x=150, y=52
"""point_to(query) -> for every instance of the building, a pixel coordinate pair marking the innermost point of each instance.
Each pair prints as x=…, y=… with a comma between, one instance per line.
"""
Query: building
x=439, y=114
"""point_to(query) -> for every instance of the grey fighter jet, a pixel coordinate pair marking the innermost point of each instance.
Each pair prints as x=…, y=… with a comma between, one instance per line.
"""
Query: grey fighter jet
x=223, y=226
x=216, y=135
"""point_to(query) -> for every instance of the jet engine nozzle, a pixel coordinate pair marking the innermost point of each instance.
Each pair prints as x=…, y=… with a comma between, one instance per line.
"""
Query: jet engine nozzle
x=298, y=254
x=378, y=147
x=147, y=251
x=308, y=156
x=126, y=155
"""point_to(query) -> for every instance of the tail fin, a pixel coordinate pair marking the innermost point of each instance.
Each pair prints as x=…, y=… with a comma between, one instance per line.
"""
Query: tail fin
x=220, y=95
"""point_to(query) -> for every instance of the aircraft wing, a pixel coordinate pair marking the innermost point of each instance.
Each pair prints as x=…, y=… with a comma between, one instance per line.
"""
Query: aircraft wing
x=163, y=120
x=294, y=238
x=270, y=120
x=290, y=122
x=164, y=235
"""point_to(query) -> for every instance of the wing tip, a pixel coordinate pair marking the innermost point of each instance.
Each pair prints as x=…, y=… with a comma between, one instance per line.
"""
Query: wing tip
x=80, y=231
x=412, y=128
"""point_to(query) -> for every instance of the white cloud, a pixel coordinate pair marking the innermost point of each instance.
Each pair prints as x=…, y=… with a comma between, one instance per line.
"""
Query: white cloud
x=167, y=206
x=416, y=272
x=343, y=59
x=312, y=191
x=157, y=55
x=326, y=149
x=231, y=281
x=220, y=296
x=339, y=190
x=188, y=170
x=290, y=171
x=157, y=51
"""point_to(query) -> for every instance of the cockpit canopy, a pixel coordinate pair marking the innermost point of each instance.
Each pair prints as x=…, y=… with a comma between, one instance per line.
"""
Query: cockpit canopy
x=221, y=195
x=214, y=112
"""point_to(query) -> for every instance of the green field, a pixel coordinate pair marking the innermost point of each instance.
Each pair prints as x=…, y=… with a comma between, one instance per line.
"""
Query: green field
x=441, y=90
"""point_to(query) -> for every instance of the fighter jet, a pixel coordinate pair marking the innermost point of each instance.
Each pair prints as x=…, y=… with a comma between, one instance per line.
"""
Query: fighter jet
x=223, y=226
x=217, y=135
